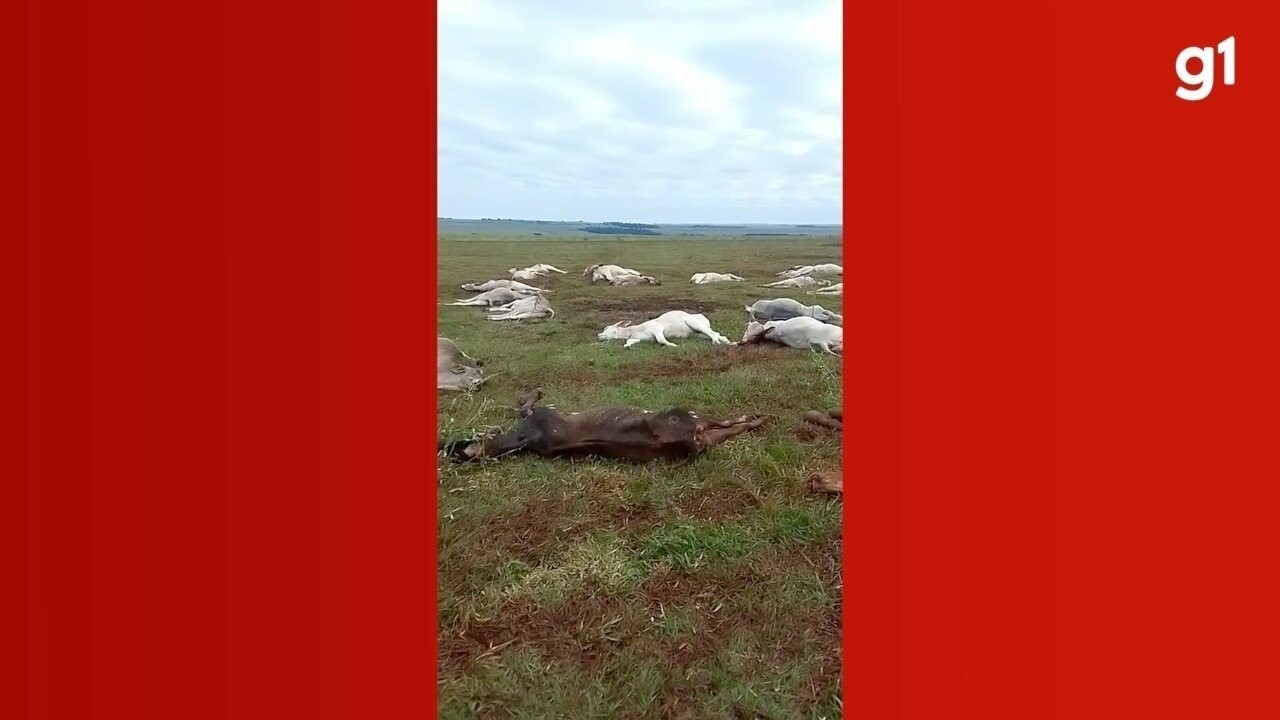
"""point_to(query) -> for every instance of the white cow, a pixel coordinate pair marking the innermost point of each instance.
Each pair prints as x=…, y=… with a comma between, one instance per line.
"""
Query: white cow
x=674, y=324
x=455, y=370
x=515, y=285
x=491, y=298
x=798, y=332
x=801, y=270
x=526, y=308
x=711, y=277
x=525, y=274
x=543, y=267
x=607, y=272
x=795, y=282
x=837, y=289
x=629, y=280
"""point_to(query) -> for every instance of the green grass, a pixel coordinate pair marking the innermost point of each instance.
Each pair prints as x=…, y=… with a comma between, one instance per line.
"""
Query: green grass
x=600, y=589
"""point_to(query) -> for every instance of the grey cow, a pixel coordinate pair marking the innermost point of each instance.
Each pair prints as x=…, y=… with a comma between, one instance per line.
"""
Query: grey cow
x=785, y=308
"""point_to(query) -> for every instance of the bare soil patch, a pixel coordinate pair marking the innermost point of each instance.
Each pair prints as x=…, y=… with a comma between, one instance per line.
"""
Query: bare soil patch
x=718, y=502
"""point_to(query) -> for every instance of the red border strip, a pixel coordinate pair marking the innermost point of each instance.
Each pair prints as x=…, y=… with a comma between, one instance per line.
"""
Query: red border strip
x=1060, y=465
x=225, y=485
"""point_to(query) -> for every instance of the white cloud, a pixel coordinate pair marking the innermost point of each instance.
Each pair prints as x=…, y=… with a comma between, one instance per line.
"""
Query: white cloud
x=717, y=110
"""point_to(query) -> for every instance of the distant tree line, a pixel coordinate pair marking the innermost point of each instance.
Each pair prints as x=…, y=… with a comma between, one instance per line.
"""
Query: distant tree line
x=619, y=229
x=630, y=225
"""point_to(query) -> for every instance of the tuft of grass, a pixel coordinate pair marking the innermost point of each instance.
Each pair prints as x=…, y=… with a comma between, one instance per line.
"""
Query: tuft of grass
x=601, y=560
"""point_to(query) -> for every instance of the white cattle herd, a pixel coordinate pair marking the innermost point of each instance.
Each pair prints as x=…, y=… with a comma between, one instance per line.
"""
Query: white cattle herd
x=783, y=321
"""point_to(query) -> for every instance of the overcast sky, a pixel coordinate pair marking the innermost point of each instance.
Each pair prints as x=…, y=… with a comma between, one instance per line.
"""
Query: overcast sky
x=716, y=111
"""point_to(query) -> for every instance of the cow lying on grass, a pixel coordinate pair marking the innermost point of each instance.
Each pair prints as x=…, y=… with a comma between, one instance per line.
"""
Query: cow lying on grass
x=837, y=289
x=494, y=298
x=713, y=277
x=515, y=285
x=607, y=272
x=455, y=370
x=629, y=280
x=786, y=308
x=533, y=307
x=795, y=282
x=674, y=324
x=804, y=333
x=534, y=271
x=800, y=270
x=622, y=433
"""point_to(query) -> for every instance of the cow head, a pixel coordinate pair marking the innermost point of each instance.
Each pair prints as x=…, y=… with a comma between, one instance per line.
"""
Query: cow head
x=617, y=331
x=756, y=332
x=826, y=316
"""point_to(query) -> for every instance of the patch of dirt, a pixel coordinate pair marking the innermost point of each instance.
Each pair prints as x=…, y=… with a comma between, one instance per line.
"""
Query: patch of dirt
x=720, y=502
x=653, y=304
x=541, y=528
x=576, y=630
x=706, y=363
x=632, y=519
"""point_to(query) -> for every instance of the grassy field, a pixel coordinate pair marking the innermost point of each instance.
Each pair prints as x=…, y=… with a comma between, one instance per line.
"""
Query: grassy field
x=600, y=589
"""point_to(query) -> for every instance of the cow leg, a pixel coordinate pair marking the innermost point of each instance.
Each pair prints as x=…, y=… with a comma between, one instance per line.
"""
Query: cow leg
x=662, y=339
x=827, y=482
x=713, y=434
x=823, y=419
x=703, y=326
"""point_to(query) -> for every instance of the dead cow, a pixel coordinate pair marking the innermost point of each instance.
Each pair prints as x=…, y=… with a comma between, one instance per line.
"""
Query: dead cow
x=515, y=285
x=455, y=370
x=533, y=307
x=795, y=282
x=674, y=324
x=622, y=433
x=607, y=272
x=837, y=289
x=629, y=280
x=798, y=332
x=823, y=269
x=786, y=308
x=526, y=274
x=707, y=278
x=492, y=298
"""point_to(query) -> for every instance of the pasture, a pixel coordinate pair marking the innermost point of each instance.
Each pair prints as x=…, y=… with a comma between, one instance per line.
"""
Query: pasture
x=600, y=589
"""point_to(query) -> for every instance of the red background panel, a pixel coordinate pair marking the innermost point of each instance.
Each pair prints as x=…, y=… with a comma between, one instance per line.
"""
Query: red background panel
x=224, y=487
x=1061, y=372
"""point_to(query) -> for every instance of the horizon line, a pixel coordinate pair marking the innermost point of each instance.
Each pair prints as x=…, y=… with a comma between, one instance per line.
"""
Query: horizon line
x=646, y=222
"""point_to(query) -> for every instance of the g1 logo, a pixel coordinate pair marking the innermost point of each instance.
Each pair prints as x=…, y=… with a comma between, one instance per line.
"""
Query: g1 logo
x=1201, y=83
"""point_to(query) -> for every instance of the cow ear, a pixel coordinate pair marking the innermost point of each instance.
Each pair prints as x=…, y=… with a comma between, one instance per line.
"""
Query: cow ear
x=624, y=323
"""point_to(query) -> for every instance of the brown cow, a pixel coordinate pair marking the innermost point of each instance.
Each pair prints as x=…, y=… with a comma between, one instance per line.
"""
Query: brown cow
x=624, y=433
